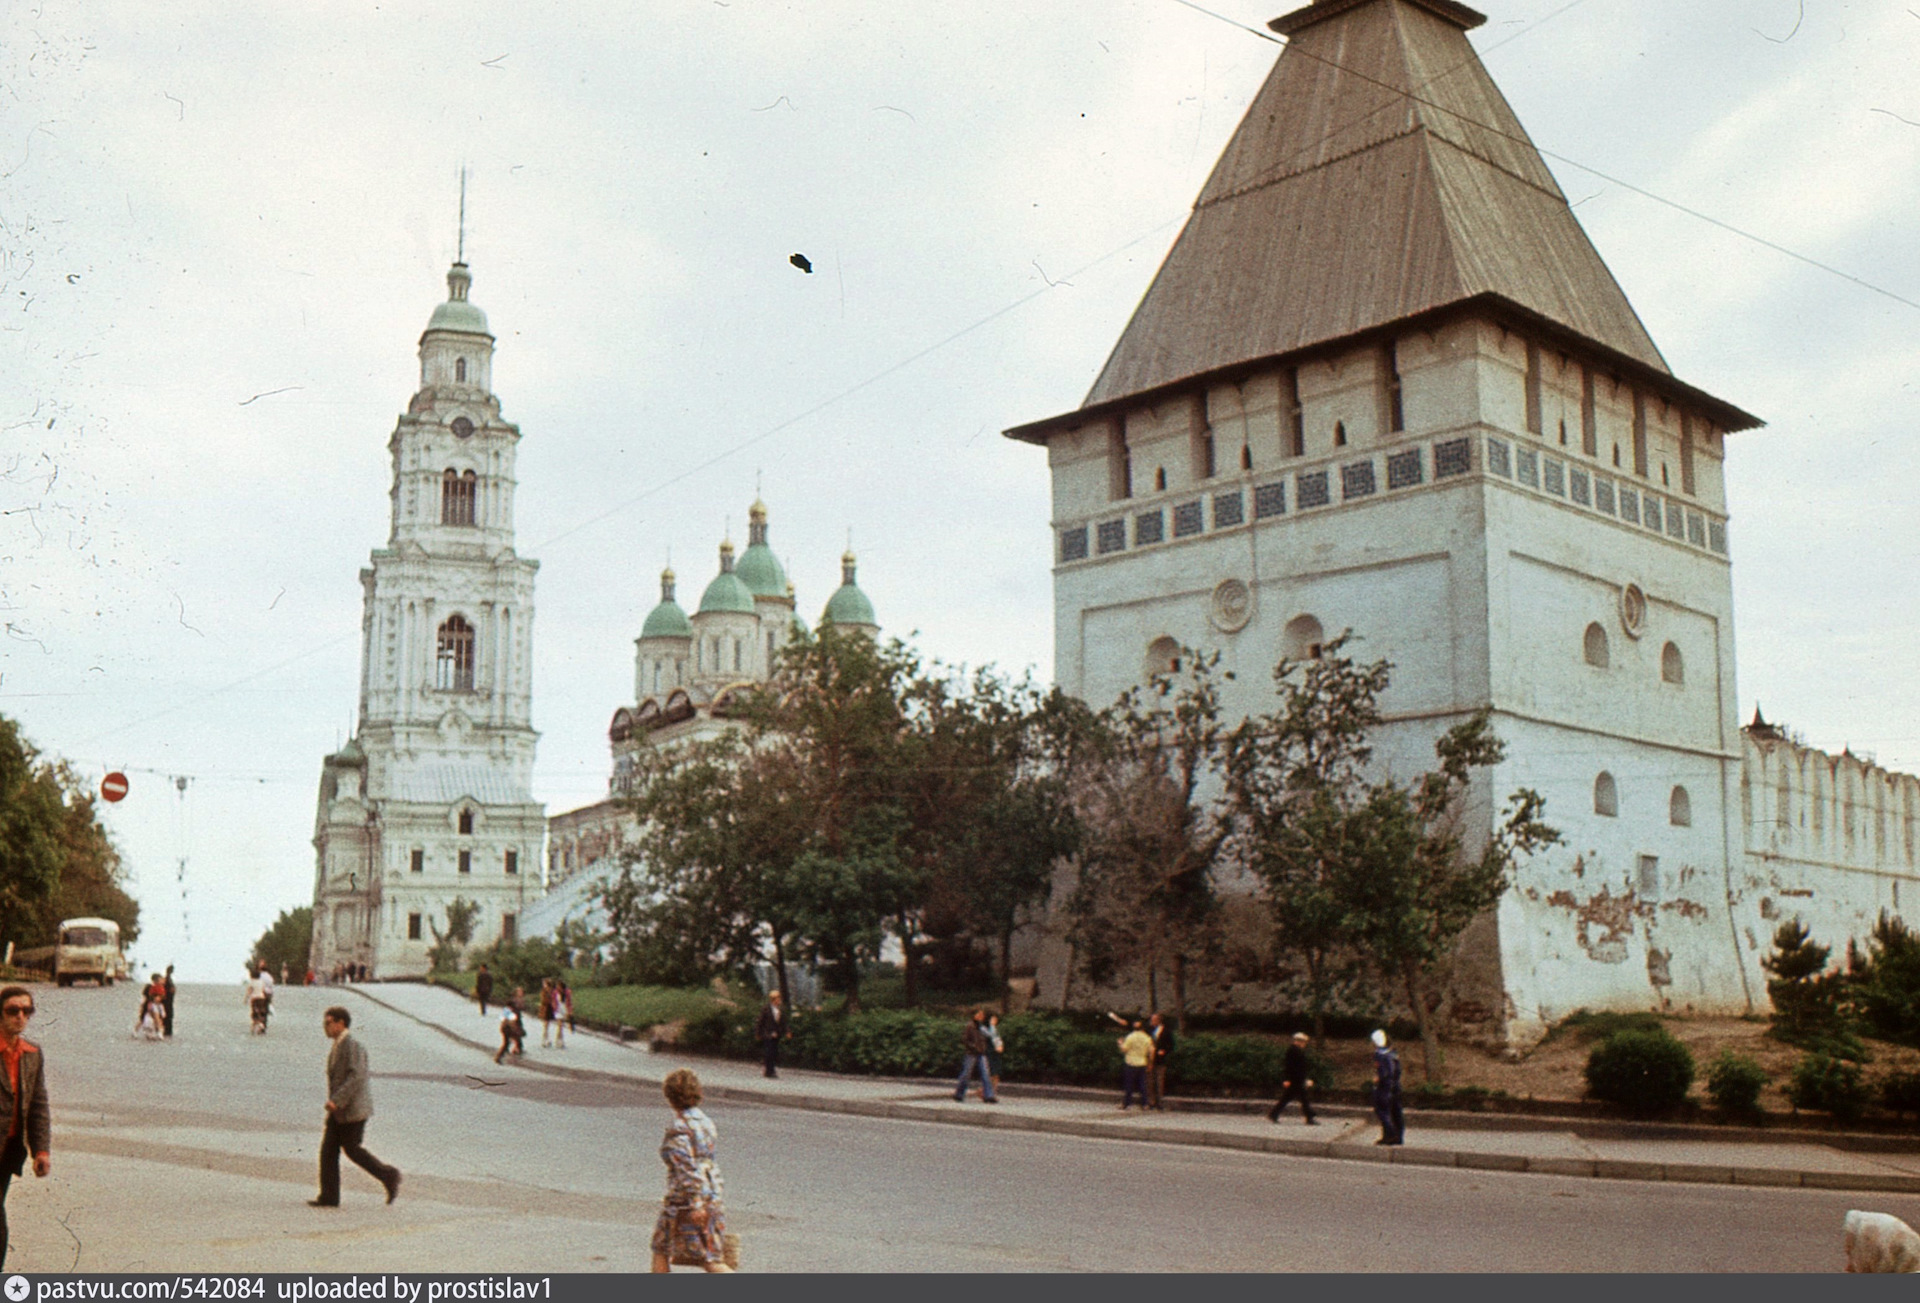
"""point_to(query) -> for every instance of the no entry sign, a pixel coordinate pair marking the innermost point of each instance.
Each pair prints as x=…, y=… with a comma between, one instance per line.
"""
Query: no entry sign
x=114, y=786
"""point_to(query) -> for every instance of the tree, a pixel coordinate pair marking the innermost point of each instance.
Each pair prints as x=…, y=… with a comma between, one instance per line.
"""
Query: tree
x=1290, y=775
x=92, y=879
x=444, y=955
x=288, y=943
x=1410, y=875
x=1807, y=999
x=33, y=815
x=1153, y=832
x=1883, y=981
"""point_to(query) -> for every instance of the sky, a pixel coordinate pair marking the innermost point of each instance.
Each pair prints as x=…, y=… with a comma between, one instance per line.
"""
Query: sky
x=223, y=227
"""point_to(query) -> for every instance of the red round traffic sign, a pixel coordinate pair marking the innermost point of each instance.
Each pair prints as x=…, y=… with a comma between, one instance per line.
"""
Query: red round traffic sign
x=114, y=786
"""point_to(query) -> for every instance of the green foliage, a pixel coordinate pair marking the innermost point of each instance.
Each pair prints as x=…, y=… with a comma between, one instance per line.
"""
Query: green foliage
x=1598, y=1026
x=450, y=944
x=288, y=943
x=56, y=860
x=1808, y=1001
x=1643, y=1072
x=1734, y=1083
x=1827, y=1084
x=526, y=963
x=1884, y=982
x=1900, y=1093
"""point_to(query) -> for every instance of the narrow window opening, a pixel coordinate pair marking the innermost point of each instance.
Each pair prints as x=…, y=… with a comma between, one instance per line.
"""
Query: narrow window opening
x=453, y=664
x=1596, y=647
x=1639, y=435
x=1396, y=415
x=1673, y=667
x=417, y=862
x=457, y=493
x=1680, y=808
x=1664, y=481
x=509, y=929
x=466, y=861
x=1686, y=456
x=1589, y=425
x=1163, y=657
x=413, y=927
x=1206, y=457
x=1304, y=638
x=1339, y=434
x=460, y=370
x=1297, y=418
x=1606, y=796
x=1563, y=432
x=1159, y=479
x=1533, y=388
x=1616, y=456
x=1246, y=457
x=513, y=862
x=1119, y=461
x=1200, y=439
x=466, y=821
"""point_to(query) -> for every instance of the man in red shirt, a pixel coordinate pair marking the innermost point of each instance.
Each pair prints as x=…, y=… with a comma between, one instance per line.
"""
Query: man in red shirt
x=23, y=1094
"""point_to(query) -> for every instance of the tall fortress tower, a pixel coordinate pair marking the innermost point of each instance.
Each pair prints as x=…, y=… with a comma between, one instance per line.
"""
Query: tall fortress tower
x=1383, y=382
x=432, y=799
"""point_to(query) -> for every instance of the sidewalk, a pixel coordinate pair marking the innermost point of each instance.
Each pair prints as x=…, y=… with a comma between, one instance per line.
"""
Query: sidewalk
x=1546, y=1146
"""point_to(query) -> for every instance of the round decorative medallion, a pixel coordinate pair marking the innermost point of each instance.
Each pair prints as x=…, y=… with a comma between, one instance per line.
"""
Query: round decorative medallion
x=1633, y=610
x=1232, y=606
x=462, y=427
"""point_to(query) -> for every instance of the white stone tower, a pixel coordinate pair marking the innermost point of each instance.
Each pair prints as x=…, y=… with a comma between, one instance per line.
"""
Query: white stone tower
x=1383, y=382
x=432, y=801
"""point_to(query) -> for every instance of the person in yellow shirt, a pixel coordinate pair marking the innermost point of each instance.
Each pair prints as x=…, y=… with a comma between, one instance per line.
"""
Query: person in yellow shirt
x=1136, y=1047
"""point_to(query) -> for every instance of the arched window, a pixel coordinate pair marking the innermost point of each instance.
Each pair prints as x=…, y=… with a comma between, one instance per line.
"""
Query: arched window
x=1680, y=808
x=1304, y=639
x=453, y=663
x=460, y=370
x=1606, y=797
x=1596, y=647
x=1673, y=669
x=457, y=492
x=1163, y=657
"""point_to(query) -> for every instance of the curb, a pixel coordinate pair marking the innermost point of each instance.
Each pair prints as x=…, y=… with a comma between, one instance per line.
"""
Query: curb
x=1604, y=1169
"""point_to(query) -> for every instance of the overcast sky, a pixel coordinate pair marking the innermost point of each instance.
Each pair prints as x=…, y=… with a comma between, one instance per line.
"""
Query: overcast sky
x=223, y=227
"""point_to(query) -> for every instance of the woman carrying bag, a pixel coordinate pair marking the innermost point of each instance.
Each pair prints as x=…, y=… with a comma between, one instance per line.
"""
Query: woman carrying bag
x=692, y=1230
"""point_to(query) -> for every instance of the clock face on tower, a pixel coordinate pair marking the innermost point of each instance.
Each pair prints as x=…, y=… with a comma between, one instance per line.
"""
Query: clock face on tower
x=462, y=427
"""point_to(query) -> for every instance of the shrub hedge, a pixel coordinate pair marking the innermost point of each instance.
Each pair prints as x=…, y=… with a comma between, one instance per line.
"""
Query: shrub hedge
x=1734, y=1083
x=1828, y=1085
x=1641, y=1071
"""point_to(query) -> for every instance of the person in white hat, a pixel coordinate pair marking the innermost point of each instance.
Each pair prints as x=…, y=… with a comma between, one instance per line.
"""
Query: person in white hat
x=1386, y=1093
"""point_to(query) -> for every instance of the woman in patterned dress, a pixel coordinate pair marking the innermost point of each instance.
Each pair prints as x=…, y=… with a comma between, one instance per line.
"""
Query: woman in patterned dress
x=693, y=1219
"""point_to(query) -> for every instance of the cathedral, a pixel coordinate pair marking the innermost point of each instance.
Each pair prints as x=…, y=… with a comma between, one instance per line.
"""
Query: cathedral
x=431, y=800
x=687, y=673
x=1384, y=383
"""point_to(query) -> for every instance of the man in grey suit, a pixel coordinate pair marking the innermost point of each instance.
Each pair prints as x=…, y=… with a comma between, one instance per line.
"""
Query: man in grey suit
x=349, y=1105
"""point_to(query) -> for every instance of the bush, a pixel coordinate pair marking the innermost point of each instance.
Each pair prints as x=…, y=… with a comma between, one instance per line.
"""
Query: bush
x=1643, y=1072
x=1734, y=1082
x=1826, y=1084
x=1885, y=981
x=1809, y=1003
x=1900, y=1092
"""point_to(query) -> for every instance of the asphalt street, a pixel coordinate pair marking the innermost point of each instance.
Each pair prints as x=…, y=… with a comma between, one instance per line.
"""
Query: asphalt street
x=199, y=1154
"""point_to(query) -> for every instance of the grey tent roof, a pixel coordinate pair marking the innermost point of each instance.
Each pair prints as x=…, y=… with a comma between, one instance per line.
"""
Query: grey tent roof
x=1378, y=175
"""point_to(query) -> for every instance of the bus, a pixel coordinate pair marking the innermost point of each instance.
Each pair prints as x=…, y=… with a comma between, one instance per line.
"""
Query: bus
x=88, y=948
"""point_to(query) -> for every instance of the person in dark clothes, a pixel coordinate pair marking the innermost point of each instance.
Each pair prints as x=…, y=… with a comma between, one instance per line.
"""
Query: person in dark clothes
x=166, y=1002
x=1162, y=1033
x=1294, y=1082
x=483, y=988
x=1386, y=1093
x=23, y=1093
x=770, y=1028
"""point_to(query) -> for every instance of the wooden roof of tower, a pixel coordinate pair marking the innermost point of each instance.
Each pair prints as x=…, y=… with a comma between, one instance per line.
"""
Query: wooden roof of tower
x=1378, y=177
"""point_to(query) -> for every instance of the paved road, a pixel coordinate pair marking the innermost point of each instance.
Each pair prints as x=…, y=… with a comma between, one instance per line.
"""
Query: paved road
x=199, y=1154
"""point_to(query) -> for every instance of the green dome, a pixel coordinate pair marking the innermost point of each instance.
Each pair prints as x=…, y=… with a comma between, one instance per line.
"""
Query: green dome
x=761, y=572
x=351, y=754
x=456, y=313
x=726, y=593
x=667, y=620
x=461, y=316
x=848, y=605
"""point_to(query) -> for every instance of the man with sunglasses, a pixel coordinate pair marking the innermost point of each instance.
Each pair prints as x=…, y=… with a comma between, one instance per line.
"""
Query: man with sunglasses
x=24, y=1096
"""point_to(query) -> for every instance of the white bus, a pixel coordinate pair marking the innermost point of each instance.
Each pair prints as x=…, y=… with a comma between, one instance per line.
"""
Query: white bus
x=88, y=948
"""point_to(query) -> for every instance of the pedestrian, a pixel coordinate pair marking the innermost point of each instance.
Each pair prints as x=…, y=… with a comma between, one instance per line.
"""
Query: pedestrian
x=974, y=1047
x=1136, y=1052
x=152, y=996
x=283, y=977
x=349, y=1105
x=546, y=1012
x=770, y=1028
x=513, y=1029
x=1161, y=1033
x=1386, y=1093
x=1294, y=1082
x=23, y=1093
x=692, y=1228
x=255, y=996
x=483, y=988
x=167, y=1005
x=566, y=1004
x=996, y=1047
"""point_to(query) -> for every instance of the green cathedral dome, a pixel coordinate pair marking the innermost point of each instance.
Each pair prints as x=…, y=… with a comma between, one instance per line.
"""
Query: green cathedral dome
x=726, y=593
x=848, y=605
x=667, y=620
